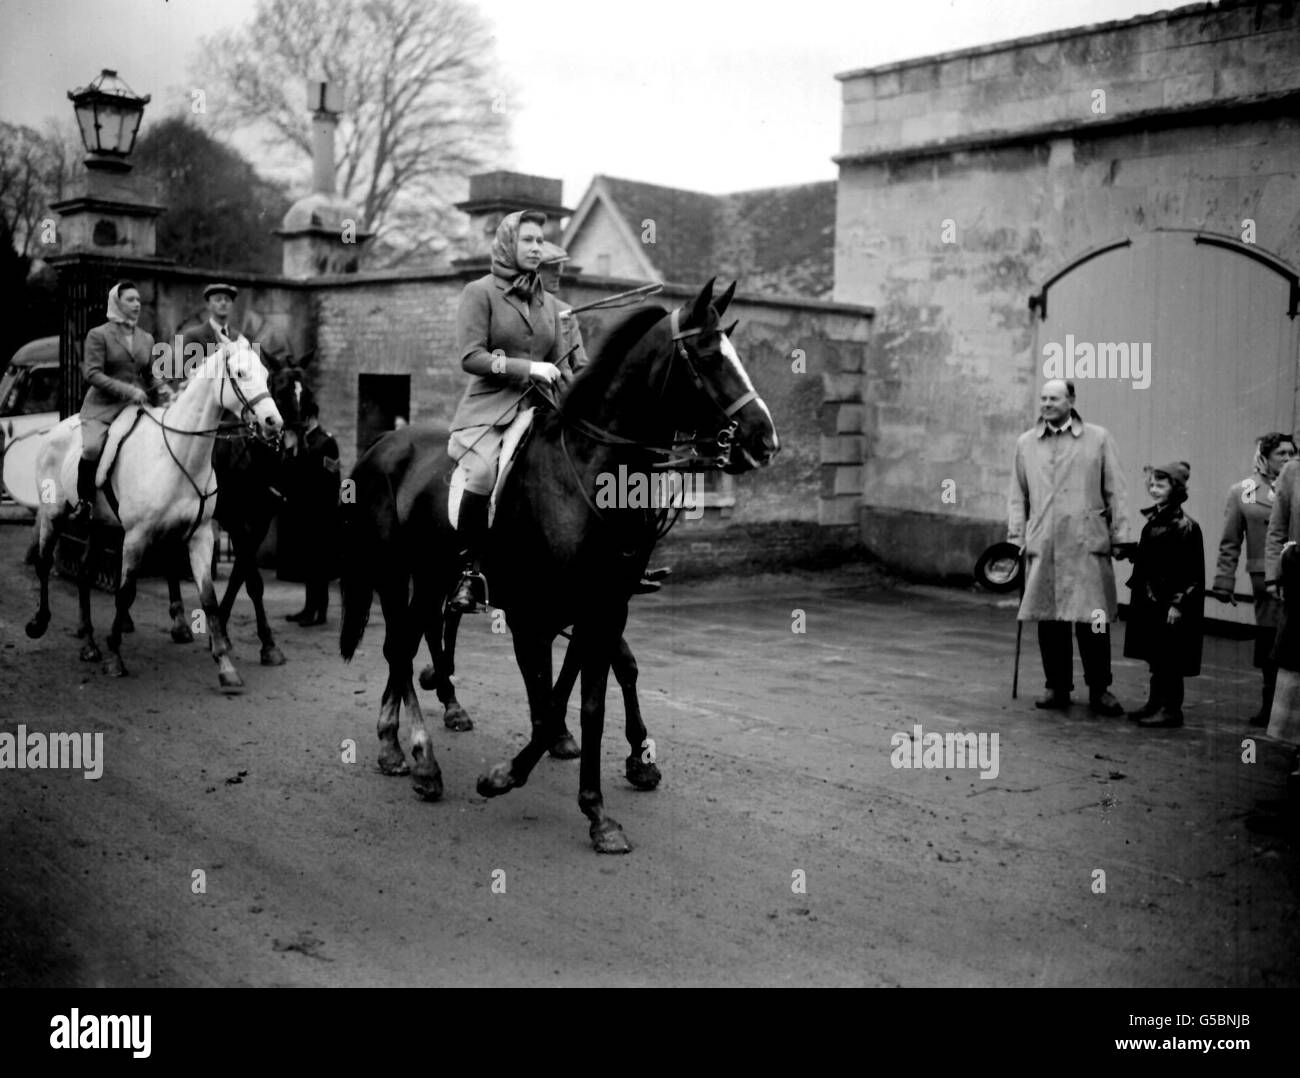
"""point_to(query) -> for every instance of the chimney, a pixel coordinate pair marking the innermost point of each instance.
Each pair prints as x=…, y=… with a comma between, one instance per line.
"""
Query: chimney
x=494, y=195
x=322, y=232
x=326, y=102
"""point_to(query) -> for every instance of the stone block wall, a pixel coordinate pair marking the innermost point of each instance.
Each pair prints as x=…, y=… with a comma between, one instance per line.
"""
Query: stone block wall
x=947, y=228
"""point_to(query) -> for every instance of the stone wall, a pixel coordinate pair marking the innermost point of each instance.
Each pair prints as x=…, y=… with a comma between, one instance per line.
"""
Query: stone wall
x=969, y=179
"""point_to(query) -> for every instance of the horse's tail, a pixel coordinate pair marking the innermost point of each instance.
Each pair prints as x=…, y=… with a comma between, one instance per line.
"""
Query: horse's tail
x=357, y=582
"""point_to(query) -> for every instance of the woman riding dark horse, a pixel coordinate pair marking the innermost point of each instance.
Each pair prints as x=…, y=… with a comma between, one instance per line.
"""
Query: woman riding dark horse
x=655, y=373
x=509, y=337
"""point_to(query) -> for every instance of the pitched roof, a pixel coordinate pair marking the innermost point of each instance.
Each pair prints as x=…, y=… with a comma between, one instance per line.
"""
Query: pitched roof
x=776, y=240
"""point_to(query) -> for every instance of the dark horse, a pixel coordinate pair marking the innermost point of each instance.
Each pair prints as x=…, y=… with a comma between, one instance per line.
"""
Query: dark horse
x=251, y=477
x=553, y=558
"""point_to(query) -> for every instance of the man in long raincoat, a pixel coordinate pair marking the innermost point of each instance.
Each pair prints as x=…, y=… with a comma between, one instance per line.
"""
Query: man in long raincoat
x=1066, y=511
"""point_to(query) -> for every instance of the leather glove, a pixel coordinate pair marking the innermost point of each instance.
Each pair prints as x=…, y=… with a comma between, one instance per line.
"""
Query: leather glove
x=139, y=396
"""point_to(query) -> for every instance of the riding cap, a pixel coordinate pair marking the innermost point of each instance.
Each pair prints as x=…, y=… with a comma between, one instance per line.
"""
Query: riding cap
x=228, y=289
x=553, y=252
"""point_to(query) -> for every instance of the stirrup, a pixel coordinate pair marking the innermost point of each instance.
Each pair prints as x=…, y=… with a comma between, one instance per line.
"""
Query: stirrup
x=471, y=594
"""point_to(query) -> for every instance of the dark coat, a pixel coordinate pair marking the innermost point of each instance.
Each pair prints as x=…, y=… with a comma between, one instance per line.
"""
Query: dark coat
x=111, y=369
x=1168, y=570
x=307, y=538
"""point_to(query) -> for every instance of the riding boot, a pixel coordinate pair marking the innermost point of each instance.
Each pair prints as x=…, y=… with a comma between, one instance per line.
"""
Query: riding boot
x=86, y=493
x=471, y=593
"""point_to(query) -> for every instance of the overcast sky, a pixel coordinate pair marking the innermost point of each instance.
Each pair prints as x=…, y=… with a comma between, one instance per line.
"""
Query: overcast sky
x=713, y=95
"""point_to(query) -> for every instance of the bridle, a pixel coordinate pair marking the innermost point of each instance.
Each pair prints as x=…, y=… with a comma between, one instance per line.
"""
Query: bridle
x=684, y=454
x=246, y=427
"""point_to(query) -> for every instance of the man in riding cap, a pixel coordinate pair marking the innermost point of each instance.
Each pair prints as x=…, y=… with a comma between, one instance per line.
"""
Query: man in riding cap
x=508, y=330
x=216, y=329
x=117, y=364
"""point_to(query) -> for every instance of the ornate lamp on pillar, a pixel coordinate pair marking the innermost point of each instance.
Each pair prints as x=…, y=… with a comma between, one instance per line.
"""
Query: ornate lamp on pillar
x=108, y=214
x=106, y=228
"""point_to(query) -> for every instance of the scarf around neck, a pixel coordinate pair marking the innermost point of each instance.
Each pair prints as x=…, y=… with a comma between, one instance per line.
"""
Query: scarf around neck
x=526, y=283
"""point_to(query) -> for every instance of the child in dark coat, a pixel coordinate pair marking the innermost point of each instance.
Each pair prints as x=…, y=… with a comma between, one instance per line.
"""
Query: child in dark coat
x=1167, y=601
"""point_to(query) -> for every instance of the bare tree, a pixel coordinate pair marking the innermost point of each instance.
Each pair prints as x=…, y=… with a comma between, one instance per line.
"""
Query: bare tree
x=421, y=101
x=32, y=175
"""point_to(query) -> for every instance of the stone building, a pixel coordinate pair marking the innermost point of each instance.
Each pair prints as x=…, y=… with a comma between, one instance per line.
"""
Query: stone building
x=1138, y=182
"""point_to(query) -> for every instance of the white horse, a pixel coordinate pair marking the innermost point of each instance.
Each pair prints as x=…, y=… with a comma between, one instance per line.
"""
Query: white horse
x=164, y=486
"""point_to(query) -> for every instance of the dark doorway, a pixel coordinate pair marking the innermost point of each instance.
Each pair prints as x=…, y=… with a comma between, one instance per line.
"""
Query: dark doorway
x=382, y=399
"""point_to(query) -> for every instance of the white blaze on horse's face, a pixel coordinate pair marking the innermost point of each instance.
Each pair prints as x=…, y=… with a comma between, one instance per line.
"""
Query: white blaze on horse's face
x=757, y=441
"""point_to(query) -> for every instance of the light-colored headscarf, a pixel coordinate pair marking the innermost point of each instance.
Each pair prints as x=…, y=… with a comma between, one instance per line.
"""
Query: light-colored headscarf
x=504, y=265
x=115, y=312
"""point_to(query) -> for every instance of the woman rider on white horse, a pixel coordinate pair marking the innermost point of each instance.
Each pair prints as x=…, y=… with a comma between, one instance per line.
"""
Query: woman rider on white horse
x=117, y=364
x=509, y=335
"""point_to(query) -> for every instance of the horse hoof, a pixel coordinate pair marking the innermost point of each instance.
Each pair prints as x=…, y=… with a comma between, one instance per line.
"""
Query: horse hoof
x=36, y=628
x=428, y=679
x=642, y=775
x=230, y=681
x=393, y=763
x=114, y=667
x=457, y=718
x=565, y=747
x=182, y=634
x=428, y=787
x=496, y=782
x=272, y=656
x=128, y=626
x=608, y=837
x=91, y=654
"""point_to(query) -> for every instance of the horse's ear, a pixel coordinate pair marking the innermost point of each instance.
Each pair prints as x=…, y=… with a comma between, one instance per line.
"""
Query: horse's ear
x=720, y=304
x=731, y=328
x=700, y=309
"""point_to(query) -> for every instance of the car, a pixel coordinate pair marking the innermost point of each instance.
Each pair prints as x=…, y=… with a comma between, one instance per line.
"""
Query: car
x=29, y=406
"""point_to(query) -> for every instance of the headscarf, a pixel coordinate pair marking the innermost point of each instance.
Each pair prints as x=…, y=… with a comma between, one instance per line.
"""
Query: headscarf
x=115, y=312
x=524, y=282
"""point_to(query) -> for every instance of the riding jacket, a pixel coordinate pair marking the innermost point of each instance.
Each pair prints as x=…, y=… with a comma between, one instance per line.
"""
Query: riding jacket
x=489, y=320
x=111, y=369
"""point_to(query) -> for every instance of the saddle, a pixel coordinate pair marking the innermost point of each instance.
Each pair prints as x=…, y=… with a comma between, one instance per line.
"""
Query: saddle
x=516, y=437
x=123, y=424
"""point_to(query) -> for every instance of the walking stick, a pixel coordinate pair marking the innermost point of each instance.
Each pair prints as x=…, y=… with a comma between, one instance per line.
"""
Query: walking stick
x=1020, y=628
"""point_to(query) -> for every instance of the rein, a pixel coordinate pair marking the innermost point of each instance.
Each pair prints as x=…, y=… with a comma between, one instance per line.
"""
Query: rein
x=243, y=428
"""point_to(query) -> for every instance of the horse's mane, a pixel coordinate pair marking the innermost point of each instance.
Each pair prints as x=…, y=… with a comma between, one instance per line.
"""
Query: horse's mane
x=614, y=340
